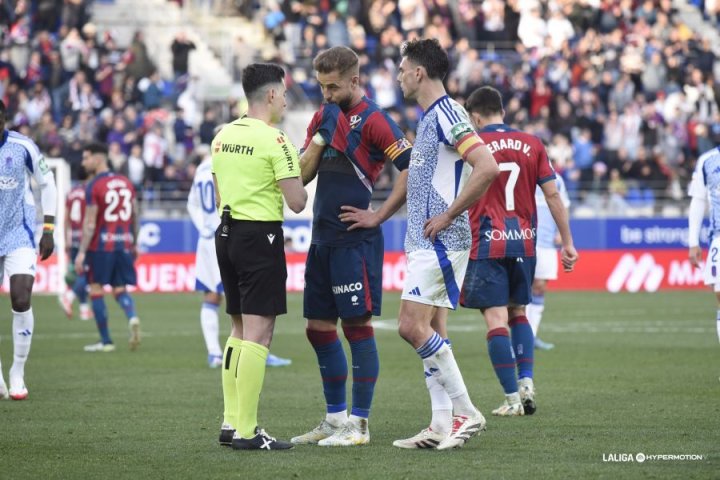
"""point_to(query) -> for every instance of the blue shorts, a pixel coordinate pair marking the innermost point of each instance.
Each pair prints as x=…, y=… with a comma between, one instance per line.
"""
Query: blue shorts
x=498, y=282
x=344, y=282
x=111, y=268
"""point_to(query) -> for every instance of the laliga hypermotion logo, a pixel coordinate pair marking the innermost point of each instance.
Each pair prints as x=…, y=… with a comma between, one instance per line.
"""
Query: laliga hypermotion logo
x=634, y=274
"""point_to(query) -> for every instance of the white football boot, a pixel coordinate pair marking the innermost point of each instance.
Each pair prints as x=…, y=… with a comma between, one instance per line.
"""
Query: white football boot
x=527, y=395
x=349, y=435
x=427, y=438
x=512, y=407
x=321, y=432
x=134, y=326
x=4, y=395
x=18, y=390
x=464, y=428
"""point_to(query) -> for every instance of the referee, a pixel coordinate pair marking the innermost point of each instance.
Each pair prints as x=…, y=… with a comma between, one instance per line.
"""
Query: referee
x=254, y=167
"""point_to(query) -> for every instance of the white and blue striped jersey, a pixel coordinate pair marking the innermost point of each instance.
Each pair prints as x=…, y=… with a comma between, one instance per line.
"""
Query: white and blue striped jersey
x=201, y=201
x=546, y=228
x=706, y=183
x=438, y=173
x=20, y=159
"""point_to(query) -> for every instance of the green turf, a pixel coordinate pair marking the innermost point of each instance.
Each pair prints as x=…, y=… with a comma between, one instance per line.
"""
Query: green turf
x=631, y=373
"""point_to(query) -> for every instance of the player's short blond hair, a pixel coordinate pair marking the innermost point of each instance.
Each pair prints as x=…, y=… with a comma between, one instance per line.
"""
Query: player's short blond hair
x=337, y=59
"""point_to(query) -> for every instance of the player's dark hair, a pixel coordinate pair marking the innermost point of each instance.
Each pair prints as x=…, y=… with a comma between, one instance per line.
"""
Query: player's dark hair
x=96, y=147
x=258, y=75
x=337, y=59
x=427, y=53
x=485, y=101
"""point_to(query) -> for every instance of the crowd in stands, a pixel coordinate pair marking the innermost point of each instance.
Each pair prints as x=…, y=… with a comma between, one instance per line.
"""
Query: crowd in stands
x=622, y=92
x=65, y=84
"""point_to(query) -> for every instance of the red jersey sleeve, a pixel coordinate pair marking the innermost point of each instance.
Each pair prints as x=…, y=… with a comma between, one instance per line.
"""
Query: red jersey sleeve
x=312, y=128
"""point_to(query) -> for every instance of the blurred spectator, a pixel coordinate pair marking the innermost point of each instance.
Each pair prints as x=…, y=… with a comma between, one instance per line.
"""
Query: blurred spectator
x=134, y=168
x=207, y=127
x=154, y=151
x=181, y=48
x=617, y=189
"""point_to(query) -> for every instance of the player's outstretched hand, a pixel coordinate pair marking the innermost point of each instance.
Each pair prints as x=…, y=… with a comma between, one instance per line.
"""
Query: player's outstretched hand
x=358, y=218
x=569, y=256
x=695, y=256
x=435, y=225
x=47, y=245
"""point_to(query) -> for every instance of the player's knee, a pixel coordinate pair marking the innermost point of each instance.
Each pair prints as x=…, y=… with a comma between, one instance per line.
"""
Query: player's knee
x=213, y=298
x=20, y=301
x=408, y=330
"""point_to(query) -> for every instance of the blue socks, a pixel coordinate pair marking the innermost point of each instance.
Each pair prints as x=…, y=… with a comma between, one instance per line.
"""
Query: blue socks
x=126, y=303
x=80, y=288
x=366, y=367
x=502, y=358
x=333, y=367
x=101, y=317
x=523, y=342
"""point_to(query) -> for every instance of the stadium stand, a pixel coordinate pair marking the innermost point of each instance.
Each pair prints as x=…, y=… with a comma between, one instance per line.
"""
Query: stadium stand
x=623, y=92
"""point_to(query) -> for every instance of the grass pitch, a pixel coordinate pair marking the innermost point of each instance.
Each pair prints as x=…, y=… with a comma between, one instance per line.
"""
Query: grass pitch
x=631, y=373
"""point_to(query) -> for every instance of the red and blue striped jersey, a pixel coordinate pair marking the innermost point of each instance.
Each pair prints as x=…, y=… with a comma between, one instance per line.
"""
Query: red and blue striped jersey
x=504, y=220
x=348, y=178
x=75, y=210
x=114, y=196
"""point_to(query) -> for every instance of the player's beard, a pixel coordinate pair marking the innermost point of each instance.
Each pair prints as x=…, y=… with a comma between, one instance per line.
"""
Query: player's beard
x=344, y=104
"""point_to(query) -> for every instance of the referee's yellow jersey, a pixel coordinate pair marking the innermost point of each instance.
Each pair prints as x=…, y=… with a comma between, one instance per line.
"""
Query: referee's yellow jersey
x=248, y=158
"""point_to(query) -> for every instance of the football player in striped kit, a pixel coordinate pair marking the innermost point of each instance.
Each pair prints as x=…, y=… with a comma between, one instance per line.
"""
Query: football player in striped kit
x=502, y=257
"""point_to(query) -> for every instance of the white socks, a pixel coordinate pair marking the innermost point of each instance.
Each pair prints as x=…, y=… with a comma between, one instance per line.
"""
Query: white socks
x=441, y=404
x=534, y=313
x=210, y=328
x=448, y=375
x=23, y=325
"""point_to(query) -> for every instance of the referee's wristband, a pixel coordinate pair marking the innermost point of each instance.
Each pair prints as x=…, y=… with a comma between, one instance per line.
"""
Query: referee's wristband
x=48, y=228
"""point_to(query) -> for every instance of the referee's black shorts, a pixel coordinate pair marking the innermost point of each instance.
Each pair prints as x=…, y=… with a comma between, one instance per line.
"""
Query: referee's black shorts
x=252, y=268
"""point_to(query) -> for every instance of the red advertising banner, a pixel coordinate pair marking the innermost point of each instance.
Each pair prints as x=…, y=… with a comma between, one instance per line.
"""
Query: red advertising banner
x=608, y=270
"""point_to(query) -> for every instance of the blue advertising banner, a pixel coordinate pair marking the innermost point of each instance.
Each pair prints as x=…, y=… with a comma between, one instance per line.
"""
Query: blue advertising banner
x=177, y=236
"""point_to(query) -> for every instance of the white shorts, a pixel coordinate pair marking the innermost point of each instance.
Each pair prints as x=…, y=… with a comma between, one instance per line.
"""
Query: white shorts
x=711, y=273
x=18, y=262
x=435, y=277
x=207, y=272
x=546, y=267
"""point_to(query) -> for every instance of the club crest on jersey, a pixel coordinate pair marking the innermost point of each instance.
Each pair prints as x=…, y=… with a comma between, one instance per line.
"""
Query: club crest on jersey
x=8, y=163
x=403, y=144
x=355, y=121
